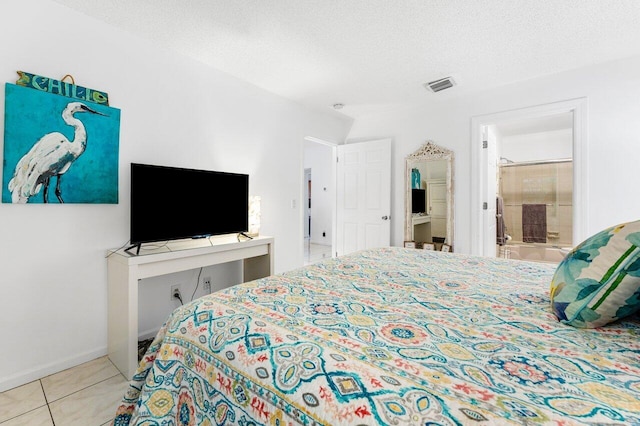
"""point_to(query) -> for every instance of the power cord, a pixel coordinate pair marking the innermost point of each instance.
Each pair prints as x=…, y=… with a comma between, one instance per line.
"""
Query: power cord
x=114, y=251
x=177, y=295
x=197, y=284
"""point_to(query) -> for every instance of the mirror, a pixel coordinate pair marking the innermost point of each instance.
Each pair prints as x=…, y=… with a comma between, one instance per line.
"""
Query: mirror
x=429, y=197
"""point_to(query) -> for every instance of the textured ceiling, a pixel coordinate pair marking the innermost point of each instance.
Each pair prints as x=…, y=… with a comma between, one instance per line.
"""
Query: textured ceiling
x=371, y=54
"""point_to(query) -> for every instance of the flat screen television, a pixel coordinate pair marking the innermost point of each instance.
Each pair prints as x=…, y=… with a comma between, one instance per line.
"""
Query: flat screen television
x=170, y=203
x=418, y=200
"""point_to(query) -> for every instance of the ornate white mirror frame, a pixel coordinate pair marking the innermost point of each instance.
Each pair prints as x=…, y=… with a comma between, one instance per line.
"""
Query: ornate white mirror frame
x=429, y=152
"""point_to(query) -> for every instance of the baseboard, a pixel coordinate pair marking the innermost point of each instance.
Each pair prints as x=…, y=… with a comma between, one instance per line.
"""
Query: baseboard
x=42, y=371
x=147, y=334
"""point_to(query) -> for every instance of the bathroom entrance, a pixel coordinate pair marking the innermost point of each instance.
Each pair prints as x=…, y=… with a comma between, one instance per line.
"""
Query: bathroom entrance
x=534, y=187
x=531, y=178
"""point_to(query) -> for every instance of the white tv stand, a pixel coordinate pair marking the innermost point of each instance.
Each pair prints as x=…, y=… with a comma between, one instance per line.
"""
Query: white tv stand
x=124, y=270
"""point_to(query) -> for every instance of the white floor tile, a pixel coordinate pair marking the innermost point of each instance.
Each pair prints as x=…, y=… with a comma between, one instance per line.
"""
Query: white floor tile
x=93, y=406
x=21, y=400
x=77, y=378
x=315, y=252
x=39, y=416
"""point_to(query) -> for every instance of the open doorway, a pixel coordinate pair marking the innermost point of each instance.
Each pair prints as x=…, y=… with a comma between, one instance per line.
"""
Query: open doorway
x=536, y=130
x=319, y=200
x=534, y=187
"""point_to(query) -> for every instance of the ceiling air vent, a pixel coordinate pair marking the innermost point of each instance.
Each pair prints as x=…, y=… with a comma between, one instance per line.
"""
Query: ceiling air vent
x=438, y=85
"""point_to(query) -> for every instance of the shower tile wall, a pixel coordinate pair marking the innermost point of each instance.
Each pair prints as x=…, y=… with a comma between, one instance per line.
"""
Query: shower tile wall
x=550, y=184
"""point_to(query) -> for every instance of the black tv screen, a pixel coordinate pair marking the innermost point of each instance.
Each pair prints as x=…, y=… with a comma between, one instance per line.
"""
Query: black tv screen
x=169, y=203
x=418, y=198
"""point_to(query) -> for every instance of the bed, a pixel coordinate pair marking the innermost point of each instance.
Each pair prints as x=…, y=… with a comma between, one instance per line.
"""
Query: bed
x=387, y=336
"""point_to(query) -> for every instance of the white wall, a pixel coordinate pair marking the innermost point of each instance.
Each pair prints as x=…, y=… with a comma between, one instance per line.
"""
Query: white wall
x=175, y=111
x=613, y=138
x=318, y=158
x=552, y=144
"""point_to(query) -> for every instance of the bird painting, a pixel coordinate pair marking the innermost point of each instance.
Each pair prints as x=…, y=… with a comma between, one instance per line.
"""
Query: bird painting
x=49, y=157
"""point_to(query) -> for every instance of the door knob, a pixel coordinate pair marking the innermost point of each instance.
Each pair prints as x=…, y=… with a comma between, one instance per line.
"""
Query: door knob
x=385, y=217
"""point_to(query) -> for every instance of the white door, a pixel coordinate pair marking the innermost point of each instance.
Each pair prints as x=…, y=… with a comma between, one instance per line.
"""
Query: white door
x=490, y=190
x=363, y=196
x=307, y=203
x=437, y=207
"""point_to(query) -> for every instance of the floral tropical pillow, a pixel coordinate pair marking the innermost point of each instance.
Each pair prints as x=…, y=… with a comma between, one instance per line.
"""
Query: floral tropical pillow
x=598, y=282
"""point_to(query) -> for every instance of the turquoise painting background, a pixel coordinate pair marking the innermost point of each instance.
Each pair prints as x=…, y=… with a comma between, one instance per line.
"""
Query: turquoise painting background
x=30, y=114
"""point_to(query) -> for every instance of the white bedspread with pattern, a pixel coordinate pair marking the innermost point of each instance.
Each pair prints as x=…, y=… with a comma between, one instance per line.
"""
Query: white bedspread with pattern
x=387, y=337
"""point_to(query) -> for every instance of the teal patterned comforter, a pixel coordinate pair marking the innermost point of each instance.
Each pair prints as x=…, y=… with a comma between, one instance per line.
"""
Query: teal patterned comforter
x=390, y=336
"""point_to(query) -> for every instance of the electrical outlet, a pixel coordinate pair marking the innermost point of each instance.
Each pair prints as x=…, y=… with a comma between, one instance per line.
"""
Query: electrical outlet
x=175, y=289
x=206, y=283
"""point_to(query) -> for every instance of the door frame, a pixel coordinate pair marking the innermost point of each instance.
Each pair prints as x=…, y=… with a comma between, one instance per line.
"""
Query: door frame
x=334, y=155
x=307, y=207
x=480, y=169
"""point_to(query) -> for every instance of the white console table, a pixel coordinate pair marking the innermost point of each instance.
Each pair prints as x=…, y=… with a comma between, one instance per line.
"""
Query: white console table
x=124, y=270
x=421, y=228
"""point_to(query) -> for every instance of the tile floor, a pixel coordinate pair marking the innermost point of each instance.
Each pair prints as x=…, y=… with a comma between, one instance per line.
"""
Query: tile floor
x=315, y=252
x=86, y=395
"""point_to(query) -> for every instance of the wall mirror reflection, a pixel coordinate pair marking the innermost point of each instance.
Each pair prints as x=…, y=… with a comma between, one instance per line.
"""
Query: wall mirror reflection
x=429, y=196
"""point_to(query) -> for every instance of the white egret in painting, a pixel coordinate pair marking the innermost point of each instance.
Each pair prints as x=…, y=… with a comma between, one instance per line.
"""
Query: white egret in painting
x=51, y=156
